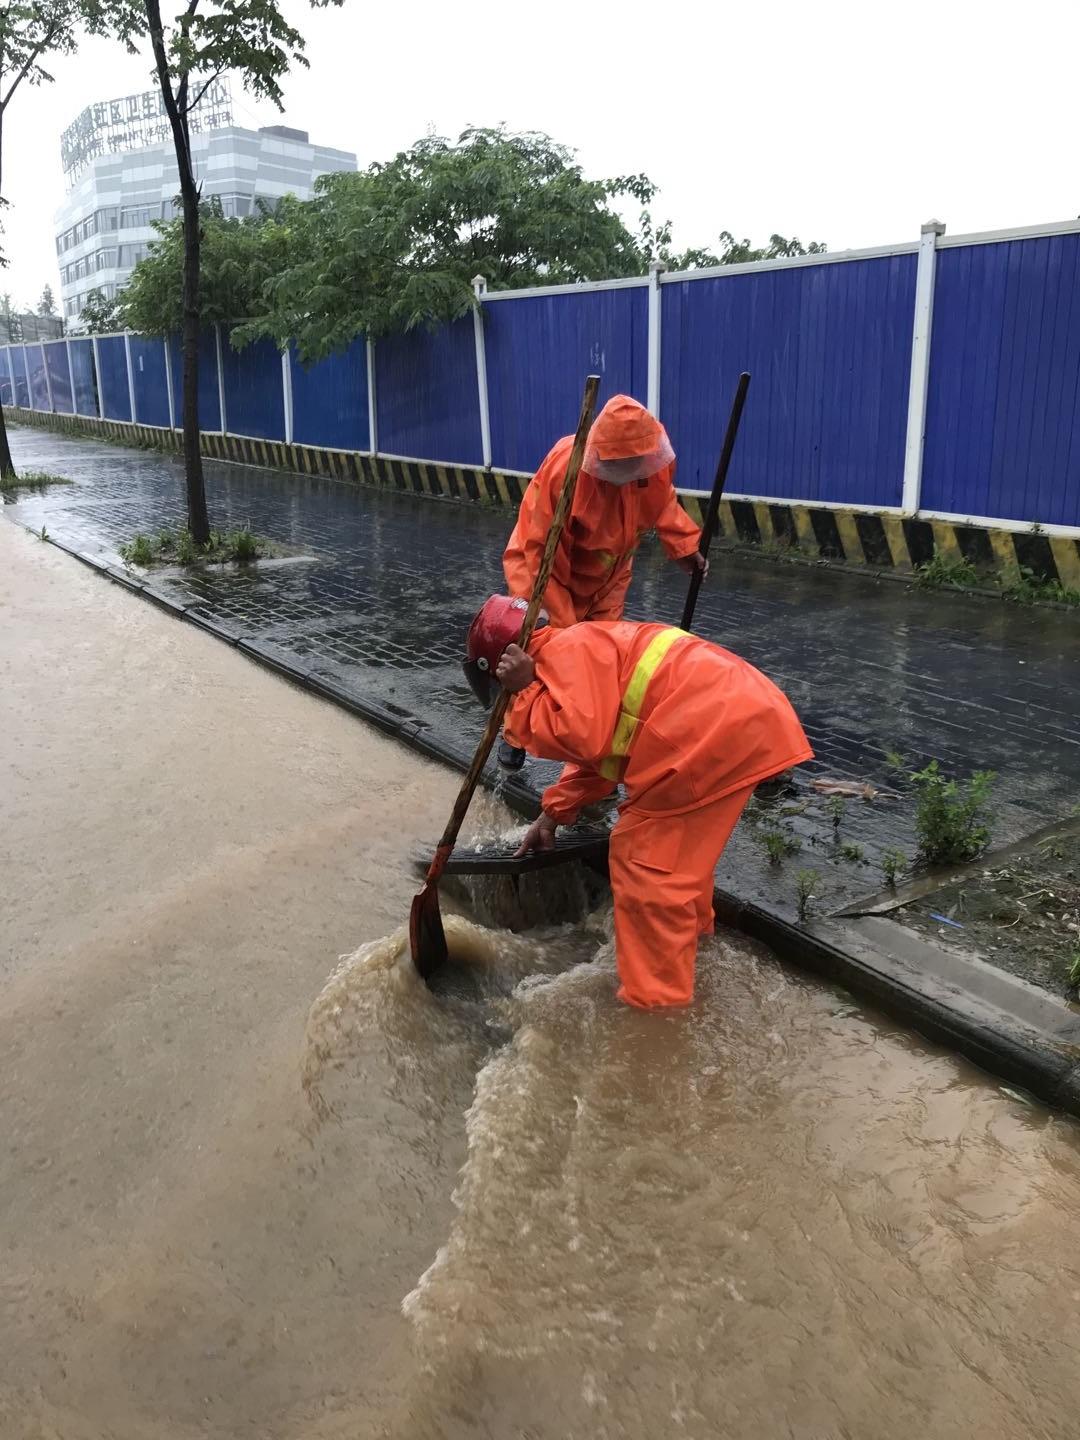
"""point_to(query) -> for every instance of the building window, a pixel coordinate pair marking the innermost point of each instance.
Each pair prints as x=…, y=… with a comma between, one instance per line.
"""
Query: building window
x=106, y=219
x=134, y=215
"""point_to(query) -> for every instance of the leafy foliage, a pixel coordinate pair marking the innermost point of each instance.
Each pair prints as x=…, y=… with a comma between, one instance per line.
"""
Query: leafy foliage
x=398, y=244
x=778, y=844
x=952, y=817
x=99, y=316
x=47, y=304
x=893, y=865
x=806, y=883
x=29, y=33
x=250, y=39
x=657, y=241
x=238, y=257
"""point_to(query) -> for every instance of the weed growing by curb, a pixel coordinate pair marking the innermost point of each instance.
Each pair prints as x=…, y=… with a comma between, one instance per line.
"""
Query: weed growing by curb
x=953, y=818
x=1025, y=587
x=946, y=572
x=837, y=808
x=854, y=853
x=805, y=886
x=893, y=864
x=778, y=844
x=169, y=548
x=33, y=480
x=1074, y=968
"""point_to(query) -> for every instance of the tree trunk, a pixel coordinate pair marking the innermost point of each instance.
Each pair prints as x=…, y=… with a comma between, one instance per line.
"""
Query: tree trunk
x=176, y=108
x=7, y=465
x=198, y=520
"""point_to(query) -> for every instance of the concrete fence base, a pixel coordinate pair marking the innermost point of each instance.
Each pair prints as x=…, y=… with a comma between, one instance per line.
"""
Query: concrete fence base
x=857, y=539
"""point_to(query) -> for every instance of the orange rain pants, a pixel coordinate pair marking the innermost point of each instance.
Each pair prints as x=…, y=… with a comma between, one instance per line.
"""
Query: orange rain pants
x=606, y=524
x=689, y=729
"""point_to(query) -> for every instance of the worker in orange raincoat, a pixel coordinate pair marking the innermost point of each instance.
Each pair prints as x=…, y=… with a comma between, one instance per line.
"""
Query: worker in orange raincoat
x=689, y=729
x=625, y=489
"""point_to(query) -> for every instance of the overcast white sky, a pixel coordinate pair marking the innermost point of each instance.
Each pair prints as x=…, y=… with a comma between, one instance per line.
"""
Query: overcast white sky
x=848, y=122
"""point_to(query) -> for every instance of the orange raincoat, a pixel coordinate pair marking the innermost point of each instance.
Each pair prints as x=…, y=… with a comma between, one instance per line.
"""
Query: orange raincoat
x=689, y=729
x=604, y=528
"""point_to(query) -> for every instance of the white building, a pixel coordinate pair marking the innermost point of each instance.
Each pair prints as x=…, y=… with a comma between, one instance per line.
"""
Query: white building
x=118, y=185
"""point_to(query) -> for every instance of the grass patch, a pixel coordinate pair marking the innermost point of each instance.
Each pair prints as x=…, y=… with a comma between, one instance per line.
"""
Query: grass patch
x=32, y=480
x=1024, y=587
x=177, y=547
x=944, y=572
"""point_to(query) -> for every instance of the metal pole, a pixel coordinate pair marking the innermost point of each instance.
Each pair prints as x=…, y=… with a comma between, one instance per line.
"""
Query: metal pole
x=479, y=286
x=372, y=409
x=220, y=382
x=652, y=401
x=71, y=376
x=97, y=377
x=920, y=365
x=48, y=382
x=286, y=393
x=169, y=384
x=131, y=375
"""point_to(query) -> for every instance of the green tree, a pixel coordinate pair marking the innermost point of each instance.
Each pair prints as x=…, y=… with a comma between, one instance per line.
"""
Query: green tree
x=29, y=33
x=250, y=39
x=657, y=242
x=47, y=304
x=238, y=258
x=99, y=316
x=397, y=245
x=9, y=321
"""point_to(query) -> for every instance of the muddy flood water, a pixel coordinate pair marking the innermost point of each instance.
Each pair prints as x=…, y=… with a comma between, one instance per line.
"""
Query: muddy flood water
x=251, y=1189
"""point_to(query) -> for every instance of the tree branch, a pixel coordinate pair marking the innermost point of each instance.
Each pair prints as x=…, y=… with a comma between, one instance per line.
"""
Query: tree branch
x=188, y=108
x=31, y=60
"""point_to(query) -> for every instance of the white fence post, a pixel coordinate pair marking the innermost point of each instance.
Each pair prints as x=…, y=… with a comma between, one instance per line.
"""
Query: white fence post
x=220, y=382
x=652, y=399
x=71, y=377
x=920, y=365
x=131, y=375
x=11, y=374
x=97, y=377
x=48, y=381
x=169, y=390
x=372, y=411
x=286, y=393
x=479, y=285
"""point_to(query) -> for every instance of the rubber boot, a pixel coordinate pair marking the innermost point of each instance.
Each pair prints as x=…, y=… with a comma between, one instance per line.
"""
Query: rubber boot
x=508, y=756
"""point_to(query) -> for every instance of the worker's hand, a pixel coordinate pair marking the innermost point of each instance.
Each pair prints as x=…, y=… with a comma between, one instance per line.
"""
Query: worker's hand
x=515, y=669
x=540, y=835
x=694, y=561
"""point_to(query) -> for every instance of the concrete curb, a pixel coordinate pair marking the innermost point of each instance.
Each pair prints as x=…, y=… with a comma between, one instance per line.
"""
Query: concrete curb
x=1002, y=1024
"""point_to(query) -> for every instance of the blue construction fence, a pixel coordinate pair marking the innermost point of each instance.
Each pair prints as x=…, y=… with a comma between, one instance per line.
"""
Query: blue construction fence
x=939, y=377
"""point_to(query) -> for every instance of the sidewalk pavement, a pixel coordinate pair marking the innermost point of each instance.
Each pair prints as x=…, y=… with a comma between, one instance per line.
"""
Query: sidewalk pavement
x=379, y=609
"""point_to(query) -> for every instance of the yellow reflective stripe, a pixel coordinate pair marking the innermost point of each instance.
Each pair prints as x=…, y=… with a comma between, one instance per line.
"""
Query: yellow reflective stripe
x=633, y=699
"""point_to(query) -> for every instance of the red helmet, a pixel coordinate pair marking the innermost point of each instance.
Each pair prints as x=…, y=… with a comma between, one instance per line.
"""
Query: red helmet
x=496, y=625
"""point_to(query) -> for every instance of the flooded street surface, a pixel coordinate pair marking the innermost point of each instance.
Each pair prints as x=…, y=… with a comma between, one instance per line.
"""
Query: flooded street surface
x=250, y=1191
